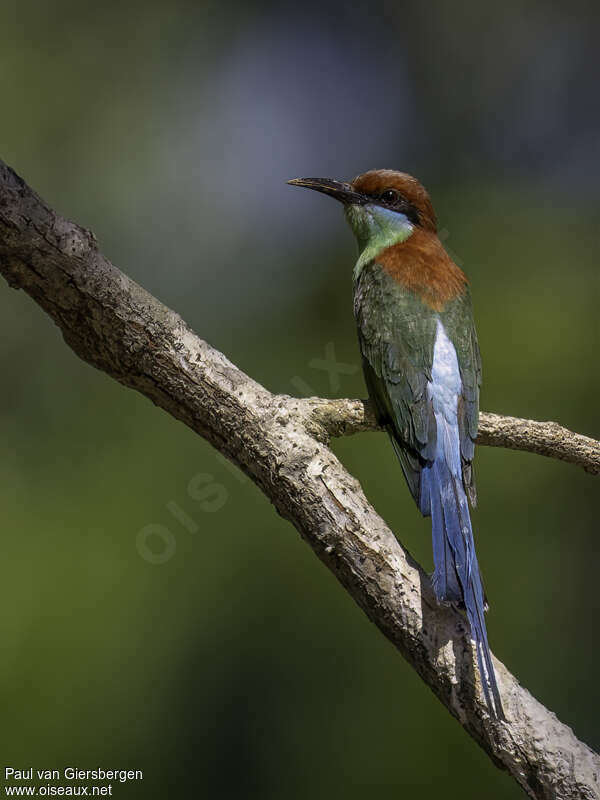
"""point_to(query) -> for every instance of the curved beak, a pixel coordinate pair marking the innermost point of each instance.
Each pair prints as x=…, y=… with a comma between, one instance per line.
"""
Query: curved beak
x=340, y=191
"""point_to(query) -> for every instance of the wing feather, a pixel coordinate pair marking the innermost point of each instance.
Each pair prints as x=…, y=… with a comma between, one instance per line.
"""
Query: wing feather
x=396, y=333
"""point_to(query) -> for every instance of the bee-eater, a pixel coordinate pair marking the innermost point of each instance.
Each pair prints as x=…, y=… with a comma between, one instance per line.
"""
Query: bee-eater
x=423, y=372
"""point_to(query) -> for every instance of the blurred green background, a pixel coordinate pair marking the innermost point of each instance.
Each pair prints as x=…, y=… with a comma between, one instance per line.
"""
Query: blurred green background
x=237, y=667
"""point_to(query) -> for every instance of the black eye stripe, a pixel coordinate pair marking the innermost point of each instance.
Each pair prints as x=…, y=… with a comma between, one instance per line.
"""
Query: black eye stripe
x=394, y=200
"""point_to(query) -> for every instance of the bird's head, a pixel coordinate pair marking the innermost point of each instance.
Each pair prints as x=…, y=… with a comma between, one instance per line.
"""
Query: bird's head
x=383, y=207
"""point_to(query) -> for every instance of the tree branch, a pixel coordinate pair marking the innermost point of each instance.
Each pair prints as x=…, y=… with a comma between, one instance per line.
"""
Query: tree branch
x=280, y=442
x=346, y=417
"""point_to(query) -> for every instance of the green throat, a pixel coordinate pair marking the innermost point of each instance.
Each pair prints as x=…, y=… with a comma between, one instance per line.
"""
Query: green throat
x=376, y=228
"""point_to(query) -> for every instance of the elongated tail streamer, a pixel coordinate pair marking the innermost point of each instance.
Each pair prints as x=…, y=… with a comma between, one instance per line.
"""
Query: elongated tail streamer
x=456, y=577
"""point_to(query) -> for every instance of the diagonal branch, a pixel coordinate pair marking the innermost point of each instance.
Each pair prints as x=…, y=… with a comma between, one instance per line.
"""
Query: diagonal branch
x=280, y=442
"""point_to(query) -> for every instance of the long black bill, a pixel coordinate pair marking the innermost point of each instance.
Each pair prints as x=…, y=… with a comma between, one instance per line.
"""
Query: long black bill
x=341, y=191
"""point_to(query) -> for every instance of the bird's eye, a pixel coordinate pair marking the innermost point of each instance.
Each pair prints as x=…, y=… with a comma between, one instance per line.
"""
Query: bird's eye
x=390, y=196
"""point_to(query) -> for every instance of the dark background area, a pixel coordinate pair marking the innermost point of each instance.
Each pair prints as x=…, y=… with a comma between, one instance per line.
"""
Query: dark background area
x=237, y=667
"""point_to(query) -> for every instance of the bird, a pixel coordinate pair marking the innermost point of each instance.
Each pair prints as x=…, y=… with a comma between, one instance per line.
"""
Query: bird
x=422, y=367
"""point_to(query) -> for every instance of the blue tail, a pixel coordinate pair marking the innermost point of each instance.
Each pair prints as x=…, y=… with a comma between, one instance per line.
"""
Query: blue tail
x=456, y=577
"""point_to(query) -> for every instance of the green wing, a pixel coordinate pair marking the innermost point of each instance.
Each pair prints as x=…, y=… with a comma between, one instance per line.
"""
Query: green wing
x=396, y=333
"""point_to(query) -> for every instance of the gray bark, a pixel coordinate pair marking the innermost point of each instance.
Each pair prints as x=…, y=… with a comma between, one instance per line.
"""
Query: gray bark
x=281, y=443
x=345, y=417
